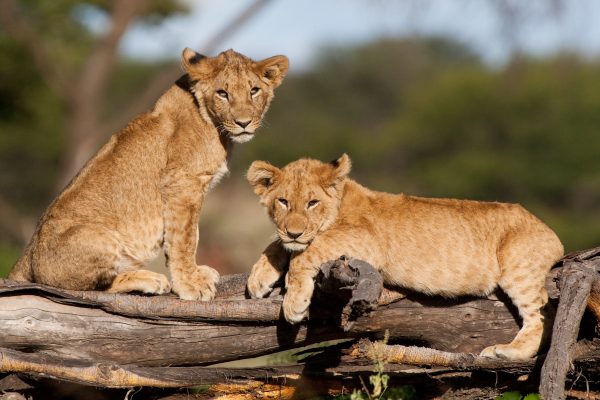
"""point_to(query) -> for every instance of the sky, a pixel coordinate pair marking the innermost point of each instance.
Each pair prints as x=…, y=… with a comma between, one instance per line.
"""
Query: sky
x=302, y=28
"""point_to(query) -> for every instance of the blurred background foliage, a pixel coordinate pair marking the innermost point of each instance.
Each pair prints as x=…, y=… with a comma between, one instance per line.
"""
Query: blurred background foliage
x=427, y=117
x=419, y=115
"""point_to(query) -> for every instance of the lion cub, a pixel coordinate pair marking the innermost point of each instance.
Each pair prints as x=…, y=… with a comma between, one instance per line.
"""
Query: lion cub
x=435, y=246
x=144, y=189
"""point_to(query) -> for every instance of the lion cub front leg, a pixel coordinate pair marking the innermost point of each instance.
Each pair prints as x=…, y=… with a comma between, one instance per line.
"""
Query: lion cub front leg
x=299, y=281
x=305, y=265
x=181, y=214
x=300, y=285
x=269, y=268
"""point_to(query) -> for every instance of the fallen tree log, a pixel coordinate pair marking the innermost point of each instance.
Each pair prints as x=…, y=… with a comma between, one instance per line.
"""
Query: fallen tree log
x=38, y=324
x=72, y=328
x=413, y=355
x=117, y=340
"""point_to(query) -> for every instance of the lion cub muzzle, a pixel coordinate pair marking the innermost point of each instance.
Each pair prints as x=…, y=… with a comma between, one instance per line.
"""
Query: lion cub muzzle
x=241, y=128
x=294, y=234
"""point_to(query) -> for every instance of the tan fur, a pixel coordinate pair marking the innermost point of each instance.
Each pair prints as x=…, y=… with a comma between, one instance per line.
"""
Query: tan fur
x=144, y=189
x=435, y=246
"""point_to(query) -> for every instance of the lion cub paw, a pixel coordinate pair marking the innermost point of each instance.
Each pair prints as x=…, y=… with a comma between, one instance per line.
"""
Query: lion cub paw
x=506, y=351
x=261, y=279
x=161, y=285
x=295, y=306
x=140, y=281
x=199, y=285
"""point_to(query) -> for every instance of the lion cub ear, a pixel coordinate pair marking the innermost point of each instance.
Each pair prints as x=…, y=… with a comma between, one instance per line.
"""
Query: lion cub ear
x=340, y=169
x=195, y=64
x=273, y=69
x=261, y=176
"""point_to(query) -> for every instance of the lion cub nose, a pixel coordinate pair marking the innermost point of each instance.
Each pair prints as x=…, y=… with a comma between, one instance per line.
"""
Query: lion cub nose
x=243, y=122
x=293, y=234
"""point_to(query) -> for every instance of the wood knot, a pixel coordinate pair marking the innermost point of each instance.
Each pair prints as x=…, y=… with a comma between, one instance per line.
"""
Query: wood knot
x=352, y=287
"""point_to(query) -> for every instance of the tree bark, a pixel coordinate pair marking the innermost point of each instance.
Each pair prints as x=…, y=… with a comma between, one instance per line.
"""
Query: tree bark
x=142, y=331
x=77, y=331
x=575, y=285
x=121, y=340
x=423, y=356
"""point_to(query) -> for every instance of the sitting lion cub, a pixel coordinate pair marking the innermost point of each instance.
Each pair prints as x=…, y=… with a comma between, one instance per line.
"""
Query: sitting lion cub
x=435, y=246
x=144, y=189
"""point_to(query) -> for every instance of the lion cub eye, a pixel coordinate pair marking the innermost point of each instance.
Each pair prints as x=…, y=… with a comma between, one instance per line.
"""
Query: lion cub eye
x=254, y=91
x=283, y=202
x=222, y=94
x=312, y=204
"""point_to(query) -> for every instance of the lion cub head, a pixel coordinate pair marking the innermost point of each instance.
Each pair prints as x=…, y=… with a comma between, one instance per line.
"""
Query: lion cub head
x=302, y=199
x=233, y=91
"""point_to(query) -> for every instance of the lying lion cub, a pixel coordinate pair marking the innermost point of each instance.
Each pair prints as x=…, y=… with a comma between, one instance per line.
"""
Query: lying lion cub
x=144, y=189
x=435, y=246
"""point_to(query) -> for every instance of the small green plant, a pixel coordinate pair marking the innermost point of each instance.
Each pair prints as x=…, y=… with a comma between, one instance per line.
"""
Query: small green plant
x=405, y=392
x=518, y=396
x=379, y=380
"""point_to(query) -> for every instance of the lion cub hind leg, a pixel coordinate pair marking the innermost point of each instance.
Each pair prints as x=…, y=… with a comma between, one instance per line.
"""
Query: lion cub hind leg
x=524, y=268
x=82, y=257
x=525, y=259
x=528, y=341
x=140, y=281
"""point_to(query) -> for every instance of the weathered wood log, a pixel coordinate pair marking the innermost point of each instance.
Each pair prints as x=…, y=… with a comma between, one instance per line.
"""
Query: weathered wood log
x=227, y=307
x=128, y=338
x=112, y=375
x=125, y=376
x=354, y=284
x=424, y=356
x=576, y=280
x=72, y=325
x=36, y=323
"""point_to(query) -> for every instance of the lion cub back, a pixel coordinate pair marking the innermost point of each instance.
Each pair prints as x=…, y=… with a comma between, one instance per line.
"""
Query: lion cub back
x=456, y=247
